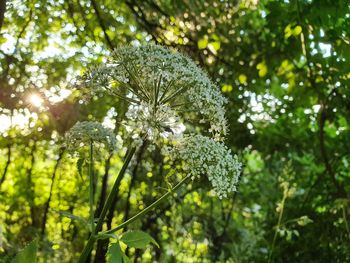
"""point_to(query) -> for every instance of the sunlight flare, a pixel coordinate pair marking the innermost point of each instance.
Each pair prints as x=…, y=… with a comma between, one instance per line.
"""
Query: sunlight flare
x=36, y=100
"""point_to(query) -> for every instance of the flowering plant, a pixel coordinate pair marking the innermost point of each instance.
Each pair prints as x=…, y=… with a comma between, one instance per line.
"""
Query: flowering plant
x=83, y=133
x=167, y=97
x=204, y=156
x=161, y=82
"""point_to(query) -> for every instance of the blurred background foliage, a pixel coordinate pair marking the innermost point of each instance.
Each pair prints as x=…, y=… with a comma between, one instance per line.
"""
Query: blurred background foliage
x=284, y=67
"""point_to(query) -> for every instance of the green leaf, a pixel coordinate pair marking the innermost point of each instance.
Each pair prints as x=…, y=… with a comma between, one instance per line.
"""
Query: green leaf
x=137, y=239
x=304, y=220
x=80, y=163
x=202, y=43
x=216, y=45
x=288, y=31
x=28, y=254
x=106, y=236
x=242, y=79
x=226, y=88
x=73, y=217
x=114, y=254
x=126, y=259
x=262, y=69
x=2, y=40
x=297, y=30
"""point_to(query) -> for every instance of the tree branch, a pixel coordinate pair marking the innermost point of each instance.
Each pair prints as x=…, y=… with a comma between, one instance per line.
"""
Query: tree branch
x=101, y=23
x=8, y=161
x=2, y=12
x=47, y=204
x=341, y=191
x=150, y=207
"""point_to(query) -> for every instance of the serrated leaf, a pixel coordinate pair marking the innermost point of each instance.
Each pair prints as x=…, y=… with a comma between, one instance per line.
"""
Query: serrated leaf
x=28, y=254
x=137, y=239
x=114, y=254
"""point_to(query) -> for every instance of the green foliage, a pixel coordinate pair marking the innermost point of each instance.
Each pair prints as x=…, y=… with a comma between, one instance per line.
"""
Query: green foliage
x=82, y=220
x=284, y=68
x=137, y=239
x=114, y=253
x=80, y=164
x=28, y=254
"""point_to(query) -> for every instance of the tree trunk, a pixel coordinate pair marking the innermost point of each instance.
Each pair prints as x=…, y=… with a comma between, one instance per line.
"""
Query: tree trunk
x=47, y=204
x=2, y=12
x=6, y=165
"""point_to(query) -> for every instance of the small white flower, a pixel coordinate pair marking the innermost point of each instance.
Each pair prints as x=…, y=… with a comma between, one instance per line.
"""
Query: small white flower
x=161, y=122
x=165, y=91
x=205, y=156
x=83, y=133
x=161, y=82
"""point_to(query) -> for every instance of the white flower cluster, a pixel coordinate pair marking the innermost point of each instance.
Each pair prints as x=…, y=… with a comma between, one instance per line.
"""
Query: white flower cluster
x=83, y=133
x=164, y=87
x=160, y=122
x=158, y=76
x=204, y=156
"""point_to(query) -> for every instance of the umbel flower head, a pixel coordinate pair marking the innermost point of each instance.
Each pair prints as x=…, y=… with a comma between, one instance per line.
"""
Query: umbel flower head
x=162, y=88
x=204, y=156
x=159, y=81
x=86, y=132
x=164, y=122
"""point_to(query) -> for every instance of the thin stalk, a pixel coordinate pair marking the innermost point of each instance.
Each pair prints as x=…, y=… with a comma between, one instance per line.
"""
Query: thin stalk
x=123, y=97
x=130, y=100
x=277, y=228
x=165, y=91
x=180, y=104
x=134, y=91
x=47, y=204
x=346, y=221
x=148, y=208
x=91, y=187
x=88, y=247
x=2, y=179
x=141, y=89
x=156, y=90
x=173, y=95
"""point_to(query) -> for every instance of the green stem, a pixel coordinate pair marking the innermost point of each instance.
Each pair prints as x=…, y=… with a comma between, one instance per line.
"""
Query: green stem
x=88, y=247
x=148, y=208
x=345, y=220
x=277, y=228
x=91, y=187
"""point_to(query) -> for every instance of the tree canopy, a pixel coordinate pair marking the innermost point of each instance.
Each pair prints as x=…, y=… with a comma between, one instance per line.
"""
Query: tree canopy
x=283, y=67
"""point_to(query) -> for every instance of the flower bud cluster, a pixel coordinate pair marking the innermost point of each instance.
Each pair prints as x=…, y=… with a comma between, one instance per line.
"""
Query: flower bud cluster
x=205, y=156
x=83, y=133
x=163, y=87
x=155, y=122
x=159, y=76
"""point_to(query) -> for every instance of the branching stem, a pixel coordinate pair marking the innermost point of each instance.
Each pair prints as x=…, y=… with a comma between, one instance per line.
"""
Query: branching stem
x=91, y=241
x=91, y=187
x=148, y=208
x=279, y=223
